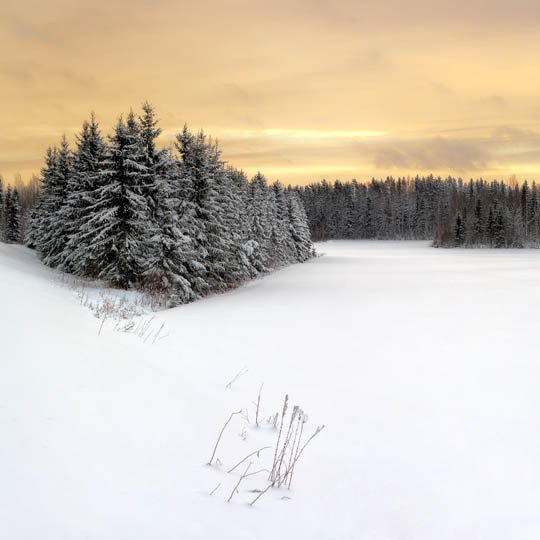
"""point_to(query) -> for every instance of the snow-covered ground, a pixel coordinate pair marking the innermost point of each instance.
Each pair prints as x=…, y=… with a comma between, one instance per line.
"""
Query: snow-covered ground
x=423, y=364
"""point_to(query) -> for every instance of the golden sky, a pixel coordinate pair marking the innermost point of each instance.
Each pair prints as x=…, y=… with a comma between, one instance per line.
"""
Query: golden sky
x=301, y=90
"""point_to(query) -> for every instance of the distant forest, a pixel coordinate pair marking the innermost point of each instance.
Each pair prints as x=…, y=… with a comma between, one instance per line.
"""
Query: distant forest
x=175, y=221
x=449, y=211
x=16, y=203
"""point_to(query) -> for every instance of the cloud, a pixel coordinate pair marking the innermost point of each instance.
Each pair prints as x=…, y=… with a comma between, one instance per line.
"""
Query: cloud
x=301, y=134
x=515, y=136
x=17, y=73
x=496, y=101
x=505, y=148
x=354, y=14
x=432, y=154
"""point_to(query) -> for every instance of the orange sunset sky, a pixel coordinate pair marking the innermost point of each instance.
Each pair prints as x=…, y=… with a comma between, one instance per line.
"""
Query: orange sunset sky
x=301, y=90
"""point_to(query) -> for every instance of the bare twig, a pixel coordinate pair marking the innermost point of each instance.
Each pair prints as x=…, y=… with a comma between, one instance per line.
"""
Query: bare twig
x=215, y=489
x=221, y=433
x=242, y=372
x=260, y=495
x=285, y=403
x=156, y=336
x=257, y=472
x=288, y=472
x=235, y=489
x=272, y=420
x=258, y=406
x=296, y=440
x=102, y=323
x=280, y=461
x=295, y=452
x=247, y=457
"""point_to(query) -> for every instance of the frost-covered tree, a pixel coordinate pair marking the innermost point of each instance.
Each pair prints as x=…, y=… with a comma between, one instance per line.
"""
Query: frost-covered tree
x=299, y=228
x=201, y=170
x=2, y=210
x=459, y=231
x=172, y=257
x=260, y=226
x=173, y=228
x=499, y=227
x=248, y=249
x=230, y=198
x=168, y=247
x=118, y=227
x=57, y=228
x=156, y=160
x=12, y=217
x=284, y=248
x=79, y=208
x=47, y=232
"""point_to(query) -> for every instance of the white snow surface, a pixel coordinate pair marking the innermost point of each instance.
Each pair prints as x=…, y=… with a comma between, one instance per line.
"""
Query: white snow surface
x=422, y=363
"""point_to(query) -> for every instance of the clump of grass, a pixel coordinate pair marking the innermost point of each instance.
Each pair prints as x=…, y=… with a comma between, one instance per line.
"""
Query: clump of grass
x=290, y=445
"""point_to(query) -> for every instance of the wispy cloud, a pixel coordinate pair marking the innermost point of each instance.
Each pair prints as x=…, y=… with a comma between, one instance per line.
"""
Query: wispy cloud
x=432, y=154
x=301, y=134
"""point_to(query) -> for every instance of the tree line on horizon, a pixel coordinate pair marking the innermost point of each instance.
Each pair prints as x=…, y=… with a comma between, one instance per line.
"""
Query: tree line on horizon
x=210, y=227
x=174, y=221
x=25, y=195
x=450, y=212
x=10, y=215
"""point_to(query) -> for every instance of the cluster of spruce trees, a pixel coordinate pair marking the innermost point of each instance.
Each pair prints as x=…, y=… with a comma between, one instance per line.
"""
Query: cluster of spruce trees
x=176, y=221
x=449, y=211
x=382, y=209
x=10, y=215
x=493, y=214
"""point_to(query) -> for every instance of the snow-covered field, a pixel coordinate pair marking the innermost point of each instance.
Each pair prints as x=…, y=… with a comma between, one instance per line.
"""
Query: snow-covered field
x=423, y=364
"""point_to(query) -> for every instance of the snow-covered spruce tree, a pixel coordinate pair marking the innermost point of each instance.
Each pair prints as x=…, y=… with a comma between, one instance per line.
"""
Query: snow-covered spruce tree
x=236, y=266
x=44, y=233
x=12, y=217
x=459, y=231
x=490, y=228
x=221, y=267
x=38, y=216
x=28, y=194
x=282, y=240
x=56, y=228
x=249, y=252
x=156, y=161
x=299, y=227
x=170, y=194
x=499, y=227
x=478, y=222
x=206, y=227
x=228, y=254
x=261, y=228
x=193, y=188
x=118, y=229
x=79, y=209
x=173, y=255
x=2, y=211
x=271, y=219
